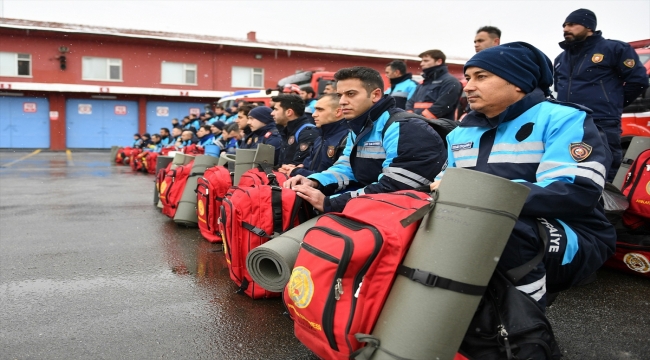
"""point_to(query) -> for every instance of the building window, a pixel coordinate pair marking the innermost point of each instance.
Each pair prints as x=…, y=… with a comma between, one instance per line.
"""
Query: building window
x=13, y=64
x=95, y=68
x=178, y=73
x=247, y=77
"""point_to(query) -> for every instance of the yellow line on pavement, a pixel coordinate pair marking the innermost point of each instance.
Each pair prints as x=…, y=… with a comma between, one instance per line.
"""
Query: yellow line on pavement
x=22, y=158
x=69, y=155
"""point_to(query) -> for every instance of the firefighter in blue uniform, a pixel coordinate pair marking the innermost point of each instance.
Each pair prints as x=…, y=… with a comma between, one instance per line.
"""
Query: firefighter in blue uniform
x=373, y=161
x=330, y=145
x=165, y=138
x=219, y=115
x=308, y=95
x=516, y=132
x=438, y=95
x=205, y=136
x=603, y=75
x=402, y=87
x=298, y=129
x=263, y=131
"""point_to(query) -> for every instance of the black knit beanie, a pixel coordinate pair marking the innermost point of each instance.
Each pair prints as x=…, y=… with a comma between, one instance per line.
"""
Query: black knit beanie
x=584, y=17
x=519, y=63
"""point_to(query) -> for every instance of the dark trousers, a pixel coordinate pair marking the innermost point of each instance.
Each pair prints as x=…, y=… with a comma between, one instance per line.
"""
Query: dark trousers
x=612, y=129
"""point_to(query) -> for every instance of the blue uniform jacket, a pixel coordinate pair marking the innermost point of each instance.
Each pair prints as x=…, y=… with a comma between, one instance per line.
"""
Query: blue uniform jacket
x=206, y=140
x=592, y=73
x=310, y=107
x=297, y=146
x=409, y=155
x=216, y=118
x=268, y=135
x=555, y=150
x=438, y=95
x=402, y=89
x=327, y=148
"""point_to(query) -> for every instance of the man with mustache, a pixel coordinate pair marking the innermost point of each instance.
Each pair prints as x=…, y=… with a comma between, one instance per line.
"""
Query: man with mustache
x=516, y=132
x=603, y=75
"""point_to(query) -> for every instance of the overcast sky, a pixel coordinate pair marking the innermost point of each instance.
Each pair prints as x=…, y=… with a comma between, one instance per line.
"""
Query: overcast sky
x=400, y=25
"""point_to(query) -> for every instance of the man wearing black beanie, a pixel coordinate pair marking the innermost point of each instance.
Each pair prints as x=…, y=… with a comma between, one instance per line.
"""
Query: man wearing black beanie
x=603, y=75
x=515, y=131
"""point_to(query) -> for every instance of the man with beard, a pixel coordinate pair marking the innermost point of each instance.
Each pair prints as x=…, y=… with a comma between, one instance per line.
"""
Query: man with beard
x=262, y=131
x=375, y=160
x=603, y=75
x=401, y=85
x=437, y=97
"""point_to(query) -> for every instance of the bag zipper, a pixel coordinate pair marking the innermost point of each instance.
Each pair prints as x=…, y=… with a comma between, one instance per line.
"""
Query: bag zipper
x=638, y=172
x=206, y=196
x=337, y=287
x=379, y=241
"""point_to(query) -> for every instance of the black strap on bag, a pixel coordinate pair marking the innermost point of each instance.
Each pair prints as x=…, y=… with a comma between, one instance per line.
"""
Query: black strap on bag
x=268, y=170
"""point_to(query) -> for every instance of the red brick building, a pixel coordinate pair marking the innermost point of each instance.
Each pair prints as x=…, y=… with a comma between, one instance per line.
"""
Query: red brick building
x=72, y=86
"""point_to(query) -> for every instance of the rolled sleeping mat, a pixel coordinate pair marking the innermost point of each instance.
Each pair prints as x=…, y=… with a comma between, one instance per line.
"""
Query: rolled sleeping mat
x=161, y=163
x=461, y=239
x=181, y=159
x=246, y=159
x=637, y=146
x=186, y=211
x=271, y=263
x=114, y=150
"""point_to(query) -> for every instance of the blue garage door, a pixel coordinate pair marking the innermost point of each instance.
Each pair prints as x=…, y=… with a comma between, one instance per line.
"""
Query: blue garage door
x=24, y=122
x=160, y=113
x=99, y=124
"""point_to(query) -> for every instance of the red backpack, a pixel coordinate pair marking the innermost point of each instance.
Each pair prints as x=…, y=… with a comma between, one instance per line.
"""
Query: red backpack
x=637, y=189
x=345, y=269
x=262, y=175
x=135, y=159
x=160, y=177
x=149, y=162
x=123, y=155
x=192, y=150
x=211, y=188
x=249, y=218
x=171, y=188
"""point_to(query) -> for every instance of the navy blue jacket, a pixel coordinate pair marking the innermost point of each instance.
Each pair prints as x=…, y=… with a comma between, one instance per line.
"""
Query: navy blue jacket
x=592, y=73
x=554, y=149
x=437, y=97
x=408, y=155
x=294, y=151
x=267, y=135
x=402, y=89
x=326, y=150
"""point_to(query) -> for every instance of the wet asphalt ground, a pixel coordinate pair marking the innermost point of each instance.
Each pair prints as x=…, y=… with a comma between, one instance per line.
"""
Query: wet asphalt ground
x=90, y=269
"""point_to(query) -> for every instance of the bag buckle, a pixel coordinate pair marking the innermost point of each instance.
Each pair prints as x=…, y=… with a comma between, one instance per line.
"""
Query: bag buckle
x=424, y=277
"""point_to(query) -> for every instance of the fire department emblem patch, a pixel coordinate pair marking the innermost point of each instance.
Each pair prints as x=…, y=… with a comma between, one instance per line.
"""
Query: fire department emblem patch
x=266, y=136
x=597, y=58
x=291, y=140
x=331, y=150
x=163, y=187
x=301, y=287
x=249, y=141
x=629, y=63
x=255, y=140
x=304, y=146
x=579, y=151
x=637, y=262
x=201, y=208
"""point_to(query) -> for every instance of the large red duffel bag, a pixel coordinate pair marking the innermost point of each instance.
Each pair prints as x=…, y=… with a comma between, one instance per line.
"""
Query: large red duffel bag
x=632, y=254
x=192, y=150
x=345, y=269
x=123, y=155
x=211, y=188
x=171, y=188
x=135, y=159
x=149, y=162
x=249, y=218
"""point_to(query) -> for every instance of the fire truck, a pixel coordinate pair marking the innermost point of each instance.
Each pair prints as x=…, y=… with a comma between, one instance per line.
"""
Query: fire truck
x=636, y=116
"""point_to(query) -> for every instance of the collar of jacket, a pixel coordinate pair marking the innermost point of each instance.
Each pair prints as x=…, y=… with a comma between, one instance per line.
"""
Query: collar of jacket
x=434, y=73
x=578, y=45
x=264, y=129
x=476, y=119
x=293, y=125
x=397, y=80
x=205, y=138
x=384, y=104
x=333, y=128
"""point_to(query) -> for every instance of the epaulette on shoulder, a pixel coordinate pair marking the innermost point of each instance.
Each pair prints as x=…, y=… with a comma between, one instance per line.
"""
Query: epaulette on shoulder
x=570, y=104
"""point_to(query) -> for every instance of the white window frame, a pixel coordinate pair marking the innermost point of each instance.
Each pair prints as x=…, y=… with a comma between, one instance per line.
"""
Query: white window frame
x=16, y=63
x=186, y=66
x=253, y=72
x=108, y=69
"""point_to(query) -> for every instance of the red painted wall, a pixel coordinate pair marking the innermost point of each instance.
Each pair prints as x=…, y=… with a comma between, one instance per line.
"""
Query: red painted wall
x=142, y=58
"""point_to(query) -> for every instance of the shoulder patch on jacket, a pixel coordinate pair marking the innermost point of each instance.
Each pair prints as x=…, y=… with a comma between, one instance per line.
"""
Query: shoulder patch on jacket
x=304, y=146
x=268, y=134
x=629, y=63
x=580, y=151
x=596, y=58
